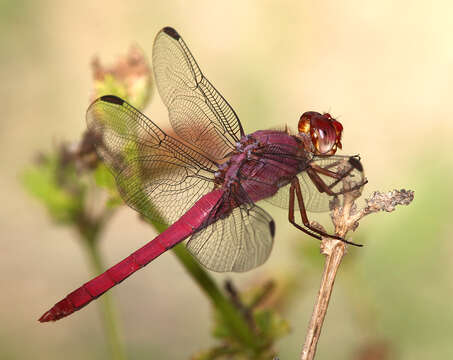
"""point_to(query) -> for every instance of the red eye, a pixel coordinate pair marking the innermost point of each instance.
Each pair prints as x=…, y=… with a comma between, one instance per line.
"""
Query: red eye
x=324, y=131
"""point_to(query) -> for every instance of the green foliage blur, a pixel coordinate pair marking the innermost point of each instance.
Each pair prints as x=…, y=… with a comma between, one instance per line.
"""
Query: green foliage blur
x=63, y=205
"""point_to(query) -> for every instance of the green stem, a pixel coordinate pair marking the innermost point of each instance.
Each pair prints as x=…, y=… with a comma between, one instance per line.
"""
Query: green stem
x=231, y=315
x=109, y=316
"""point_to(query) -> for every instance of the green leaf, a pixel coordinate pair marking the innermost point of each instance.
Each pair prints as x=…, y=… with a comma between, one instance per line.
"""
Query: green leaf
x=41, y=182
x=110, y=86
x=104, y=177
x=271, y=325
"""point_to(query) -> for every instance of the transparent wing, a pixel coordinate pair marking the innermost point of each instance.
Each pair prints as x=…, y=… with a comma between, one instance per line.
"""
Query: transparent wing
x=149, y=166
x=314, y=200
x=197, y=111
x=238, y=242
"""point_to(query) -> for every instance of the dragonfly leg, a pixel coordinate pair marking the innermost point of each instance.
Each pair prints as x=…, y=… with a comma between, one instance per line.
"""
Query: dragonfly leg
x=326, y=172
x=291, y=214
x=354, y=161
x=295, y=188
x=323, y=187
x=319, y=182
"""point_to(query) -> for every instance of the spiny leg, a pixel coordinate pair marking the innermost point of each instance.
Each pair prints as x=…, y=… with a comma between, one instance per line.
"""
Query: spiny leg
x=303, y=213
x=354, y=162
x=291, y=214
x=326, y=172
x=295, y=187
x=323, y=187
x=318, y=181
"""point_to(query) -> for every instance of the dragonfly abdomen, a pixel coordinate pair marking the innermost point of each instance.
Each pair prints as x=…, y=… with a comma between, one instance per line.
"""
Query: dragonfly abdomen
x=189, y=223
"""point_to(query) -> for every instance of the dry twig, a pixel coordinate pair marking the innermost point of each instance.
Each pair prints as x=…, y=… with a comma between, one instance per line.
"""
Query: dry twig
x=345, y=217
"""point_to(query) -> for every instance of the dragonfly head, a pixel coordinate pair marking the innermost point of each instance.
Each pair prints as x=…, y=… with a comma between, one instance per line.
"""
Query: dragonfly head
x=323, y=131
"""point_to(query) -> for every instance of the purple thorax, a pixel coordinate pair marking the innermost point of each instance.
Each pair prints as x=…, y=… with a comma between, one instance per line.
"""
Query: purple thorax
x=263, y=162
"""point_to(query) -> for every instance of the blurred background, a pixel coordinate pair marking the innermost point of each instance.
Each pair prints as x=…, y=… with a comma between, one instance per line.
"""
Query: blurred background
x=384, y=69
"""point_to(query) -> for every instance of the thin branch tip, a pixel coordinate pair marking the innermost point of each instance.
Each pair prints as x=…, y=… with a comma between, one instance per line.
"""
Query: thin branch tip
x=389, y=200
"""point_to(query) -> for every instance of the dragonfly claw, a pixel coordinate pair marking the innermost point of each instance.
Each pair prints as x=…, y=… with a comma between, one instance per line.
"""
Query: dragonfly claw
x=344, y=240
x=350, y=242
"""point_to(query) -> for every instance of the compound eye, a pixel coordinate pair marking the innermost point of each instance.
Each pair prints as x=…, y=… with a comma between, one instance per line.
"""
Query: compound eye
x=324, y=136
x=323, y=130
x=305, y=121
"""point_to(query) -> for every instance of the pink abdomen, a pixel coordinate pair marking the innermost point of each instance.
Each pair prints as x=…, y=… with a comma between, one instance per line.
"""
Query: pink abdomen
x=187, y=225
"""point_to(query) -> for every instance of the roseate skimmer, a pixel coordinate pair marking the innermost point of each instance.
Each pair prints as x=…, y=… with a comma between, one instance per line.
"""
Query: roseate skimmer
x=207, y=184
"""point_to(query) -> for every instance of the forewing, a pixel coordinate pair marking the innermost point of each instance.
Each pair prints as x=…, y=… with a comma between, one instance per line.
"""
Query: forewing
x=156, y=175
x=197, y=111
x=238, y=242
x=314, y=200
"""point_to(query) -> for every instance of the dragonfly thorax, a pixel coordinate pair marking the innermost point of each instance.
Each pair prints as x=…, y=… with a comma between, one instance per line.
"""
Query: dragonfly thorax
x=227, y=175
x=263, y=162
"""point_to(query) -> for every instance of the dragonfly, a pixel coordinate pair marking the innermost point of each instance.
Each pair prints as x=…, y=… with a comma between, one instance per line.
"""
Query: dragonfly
x=206, y=182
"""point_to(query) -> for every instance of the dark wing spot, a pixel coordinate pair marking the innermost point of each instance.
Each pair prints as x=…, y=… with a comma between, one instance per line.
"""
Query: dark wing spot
x=171, y=32
x=272, y=227
x=355, y=162
x=112, y=99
